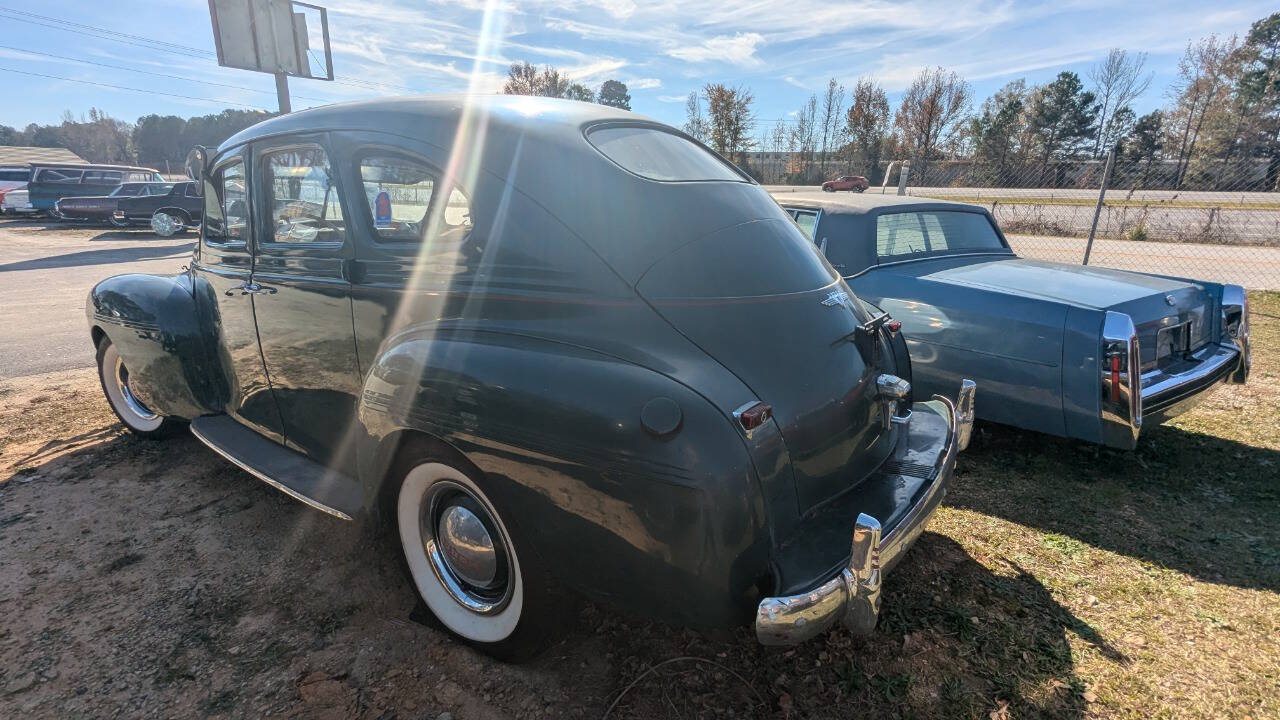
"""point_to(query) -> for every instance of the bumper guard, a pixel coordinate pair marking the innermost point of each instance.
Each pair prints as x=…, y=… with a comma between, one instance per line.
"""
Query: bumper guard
x=853, y=596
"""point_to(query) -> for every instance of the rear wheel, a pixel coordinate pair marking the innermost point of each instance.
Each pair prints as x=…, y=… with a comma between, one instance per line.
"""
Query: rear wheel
x=465, y=565
x=167, y=223
x=136, y=416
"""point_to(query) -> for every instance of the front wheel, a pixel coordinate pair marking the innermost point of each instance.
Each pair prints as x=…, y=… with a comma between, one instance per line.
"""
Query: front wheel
x=137, y=417
x=465, y=565
x=828, y=188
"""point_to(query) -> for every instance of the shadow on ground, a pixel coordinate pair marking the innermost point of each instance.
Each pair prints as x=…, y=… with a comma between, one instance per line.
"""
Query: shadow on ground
x=1195, y=503
x=99, y=257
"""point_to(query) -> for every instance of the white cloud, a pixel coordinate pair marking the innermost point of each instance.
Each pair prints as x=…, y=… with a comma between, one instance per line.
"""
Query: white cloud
x=672, y=98
x=738, y=49
x=648, y=83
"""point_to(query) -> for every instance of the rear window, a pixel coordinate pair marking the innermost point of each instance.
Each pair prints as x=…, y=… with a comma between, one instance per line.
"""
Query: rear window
x=659, y=155
x=55, y=175
x=14, y=175
x=909, y=234
x=763, y=257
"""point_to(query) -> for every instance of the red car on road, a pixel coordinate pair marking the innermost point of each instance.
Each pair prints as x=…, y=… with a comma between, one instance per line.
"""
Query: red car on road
x=852, y=183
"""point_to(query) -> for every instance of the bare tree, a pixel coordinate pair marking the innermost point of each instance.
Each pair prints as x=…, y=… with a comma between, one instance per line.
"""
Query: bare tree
x=932, y=108
x=804, y=138
x=1117, y=82
x=1202, y=83
x=524, y=78
x=695, y=123
x=867, y=124
x=832, y=109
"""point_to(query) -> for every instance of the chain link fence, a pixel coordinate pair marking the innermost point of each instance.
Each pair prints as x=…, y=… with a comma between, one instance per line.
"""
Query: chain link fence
x=1211, y=221
x=1216, y=221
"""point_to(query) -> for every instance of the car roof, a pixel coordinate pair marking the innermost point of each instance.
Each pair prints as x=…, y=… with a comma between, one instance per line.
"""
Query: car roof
x=87, y=166
x=864, y=203
x=534, y=117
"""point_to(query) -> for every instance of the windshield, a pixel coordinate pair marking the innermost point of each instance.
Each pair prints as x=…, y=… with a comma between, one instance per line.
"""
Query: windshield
x=660, y=155
x=908, y=234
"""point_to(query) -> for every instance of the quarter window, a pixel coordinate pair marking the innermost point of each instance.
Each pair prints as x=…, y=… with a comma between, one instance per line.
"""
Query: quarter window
x=807, y=221
x=303, y=197
x=660, y=155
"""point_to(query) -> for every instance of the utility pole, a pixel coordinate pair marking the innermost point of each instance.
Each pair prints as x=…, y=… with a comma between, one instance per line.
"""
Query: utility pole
x=282, y=93
x=1097, y=211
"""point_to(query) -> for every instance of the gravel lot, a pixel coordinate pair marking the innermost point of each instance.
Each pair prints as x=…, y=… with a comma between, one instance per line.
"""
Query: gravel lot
x=154, y=579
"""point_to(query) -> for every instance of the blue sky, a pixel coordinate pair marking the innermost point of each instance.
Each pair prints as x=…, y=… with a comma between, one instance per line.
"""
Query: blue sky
x=782, y=50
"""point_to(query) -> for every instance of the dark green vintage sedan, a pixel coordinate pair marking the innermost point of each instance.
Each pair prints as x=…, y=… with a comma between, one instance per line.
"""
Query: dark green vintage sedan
x=556, y=346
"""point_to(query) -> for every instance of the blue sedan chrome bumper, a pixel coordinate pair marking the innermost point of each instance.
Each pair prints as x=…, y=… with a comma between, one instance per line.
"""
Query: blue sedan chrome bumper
x=853, y=595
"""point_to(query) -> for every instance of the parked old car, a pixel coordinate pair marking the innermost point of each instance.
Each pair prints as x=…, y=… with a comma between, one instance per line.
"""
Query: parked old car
x=13, y=176
x=170, y=212
x=102, y=207
x=16, y=202
x=1077, y=351
x=51, y=182
x=852, y=183
x=555, y=345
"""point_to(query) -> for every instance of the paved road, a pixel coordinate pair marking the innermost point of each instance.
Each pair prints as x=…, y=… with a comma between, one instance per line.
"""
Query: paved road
x=46, y=272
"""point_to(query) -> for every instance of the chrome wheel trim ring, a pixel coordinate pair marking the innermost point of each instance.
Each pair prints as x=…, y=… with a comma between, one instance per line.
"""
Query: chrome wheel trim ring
x=482, y=617
x=115, y=380
x=165, y=224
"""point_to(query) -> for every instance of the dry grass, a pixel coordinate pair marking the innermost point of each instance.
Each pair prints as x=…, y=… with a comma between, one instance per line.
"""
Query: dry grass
x=1060, y=580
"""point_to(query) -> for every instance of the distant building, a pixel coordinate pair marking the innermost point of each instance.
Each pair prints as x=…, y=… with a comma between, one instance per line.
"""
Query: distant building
x=11, y=155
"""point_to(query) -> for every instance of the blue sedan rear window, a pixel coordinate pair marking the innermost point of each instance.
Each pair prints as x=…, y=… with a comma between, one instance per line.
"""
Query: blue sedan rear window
x=903, y=235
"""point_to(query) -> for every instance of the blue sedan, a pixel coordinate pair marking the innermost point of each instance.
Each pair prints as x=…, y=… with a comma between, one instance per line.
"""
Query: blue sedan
x=1075, y=351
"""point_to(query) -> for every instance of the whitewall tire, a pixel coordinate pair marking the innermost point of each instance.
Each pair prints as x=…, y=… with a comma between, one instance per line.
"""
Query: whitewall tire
x=136, y=416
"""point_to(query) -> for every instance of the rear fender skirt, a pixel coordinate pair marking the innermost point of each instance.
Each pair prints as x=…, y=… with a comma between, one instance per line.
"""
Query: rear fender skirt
x=610, y=471
x=154, y=324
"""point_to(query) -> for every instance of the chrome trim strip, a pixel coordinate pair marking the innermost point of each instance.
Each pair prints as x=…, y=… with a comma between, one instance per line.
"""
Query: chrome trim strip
x=1234, y=298
x=853, y=595
x=268, y=480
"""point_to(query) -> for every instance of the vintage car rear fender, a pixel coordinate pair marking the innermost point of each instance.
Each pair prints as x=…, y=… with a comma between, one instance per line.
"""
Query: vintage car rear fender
x=633, y=488
x=153, y=322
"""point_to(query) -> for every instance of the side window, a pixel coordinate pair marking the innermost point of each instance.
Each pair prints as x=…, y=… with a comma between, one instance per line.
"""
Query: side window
x=62, y=177
x=808, y=222
x=112, y=177
x=406, y=201
x=302, y=195
x=192, y=191
x=226, y=204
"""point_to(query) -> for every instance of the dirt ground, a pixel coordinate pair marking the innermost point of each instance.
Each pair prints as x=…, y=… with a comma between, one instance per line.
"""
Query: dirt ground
x=154, y=579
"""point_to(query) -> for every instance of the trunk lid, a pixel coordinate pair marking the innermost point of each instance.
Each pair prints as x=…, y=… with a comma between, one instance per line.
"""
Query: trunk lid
x=1171, y=315
x=758, y=299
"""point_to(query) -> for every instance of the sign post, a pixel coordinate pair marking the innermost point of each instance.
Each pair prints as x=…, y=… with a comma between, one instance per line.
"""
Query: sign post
x=279, y=37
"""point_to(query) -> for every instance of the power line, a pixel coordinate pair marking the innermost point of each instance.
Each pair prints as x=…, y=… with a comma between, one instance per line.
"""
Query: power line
x=140, y=90
x=148, y=72
x=93, y=29
x=153, y=44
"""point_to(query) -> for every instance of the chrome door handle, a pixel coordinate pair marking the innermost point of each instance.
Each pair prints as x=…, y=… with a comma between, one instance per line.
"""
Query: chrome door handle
x=251, y=288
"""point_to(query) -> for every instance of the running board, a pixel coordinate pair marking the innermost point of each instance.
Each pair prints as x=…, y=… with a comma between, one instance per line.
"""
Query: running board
x=288, y=471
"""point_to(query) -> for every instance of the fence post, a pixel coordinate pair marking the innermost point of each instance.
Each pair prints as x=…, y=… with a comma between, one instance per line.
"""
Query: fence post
x=903, y=171
x=1097, y=211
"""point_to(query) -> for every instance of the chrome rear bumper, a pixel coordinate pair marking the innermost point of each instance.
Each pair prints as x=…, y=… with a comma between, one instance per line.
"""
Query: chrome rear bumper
x=853, y=595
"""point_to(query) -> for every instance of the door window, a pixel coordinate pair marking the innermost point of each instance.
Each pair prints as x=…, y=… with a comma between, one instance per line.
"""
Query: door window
x=302, y=197
x=226, y=205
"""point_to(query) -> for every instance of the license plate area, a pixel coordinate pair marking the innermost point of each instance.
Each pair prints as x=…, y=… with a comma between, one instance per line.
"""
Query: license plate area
x=1173, y=343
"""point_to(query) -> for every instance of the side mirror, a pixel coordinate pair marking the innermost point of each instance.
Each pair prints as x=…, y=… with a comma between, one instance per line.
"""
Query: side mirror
x=196, y=160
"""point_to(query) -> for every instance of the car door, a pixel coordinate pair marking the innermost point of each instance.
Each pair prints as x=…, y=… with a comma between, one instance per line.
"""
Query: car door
x=302, y=300
x=223, y=271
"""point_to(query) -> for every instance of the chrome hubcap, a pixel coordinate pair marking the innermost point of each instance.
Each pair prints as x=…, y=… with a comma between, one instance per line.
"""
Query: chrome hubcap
x=132, y=402
x=164, y=224
x=467, y=547
x=467, y=550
